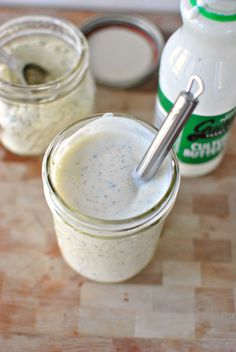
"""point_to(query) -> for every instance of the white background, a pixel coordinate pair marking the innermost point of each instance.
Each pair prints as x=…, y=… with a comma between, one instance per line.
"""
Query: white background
x=116, y=5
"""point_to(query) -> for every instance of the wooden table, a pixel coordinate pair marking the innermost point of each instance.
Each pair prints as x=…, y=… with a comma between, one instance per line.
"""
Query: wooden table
x=185, y=300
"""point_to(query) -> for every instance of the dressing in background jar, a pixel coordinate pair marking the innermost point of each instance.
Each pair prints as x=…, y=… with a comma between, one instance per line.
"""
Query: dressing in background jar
x=31, y=115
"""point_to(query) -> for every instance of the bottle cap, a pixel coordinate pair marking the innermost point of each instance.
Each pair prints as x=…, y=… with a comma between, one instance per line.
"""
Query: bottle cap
x=217, y=10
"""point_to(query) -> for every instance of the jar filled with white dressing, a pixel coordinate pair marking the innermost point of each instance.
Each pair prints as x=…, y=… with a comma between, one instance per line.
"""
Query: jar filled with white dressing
x=107, y=226
x=32, y=114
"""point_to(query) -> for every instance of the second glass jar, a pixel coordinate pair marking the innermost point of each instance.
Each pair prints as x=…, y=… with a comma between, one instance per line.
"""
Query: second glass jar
x=31, y=115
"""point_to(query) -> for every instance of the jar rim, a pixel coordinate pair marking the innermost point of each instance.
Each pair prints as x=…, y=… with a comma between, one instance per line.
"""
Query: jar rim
x=49, y=90
x=121, y=226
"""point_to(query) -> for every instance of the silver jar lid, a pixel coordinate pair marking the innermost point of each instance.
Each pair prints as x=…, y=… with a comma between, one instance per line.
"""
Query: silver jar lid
x=125, y=50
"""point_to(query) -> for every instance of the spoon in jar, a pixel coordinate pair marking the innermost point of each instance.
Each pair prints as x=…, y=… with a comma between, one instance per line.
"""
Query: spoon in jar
x=169, y=131
x=27, y=74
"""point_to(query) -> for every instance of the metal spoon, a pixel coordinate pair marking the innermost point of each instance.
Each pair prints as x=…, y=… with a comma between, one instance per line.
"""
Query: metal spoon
x=169, y=131
x=27, y=74
x=34, y=74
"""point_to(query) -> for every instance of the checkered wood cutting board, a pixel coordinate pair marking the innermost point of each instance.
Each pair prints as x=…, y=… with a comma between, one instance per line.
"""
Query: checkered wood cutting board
x=185, y=297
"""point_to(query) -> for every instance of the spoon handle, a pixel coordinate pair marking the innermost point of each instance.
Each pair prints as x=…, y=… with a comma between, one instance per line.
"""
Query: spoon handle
x=169, y=131
x=14, y=64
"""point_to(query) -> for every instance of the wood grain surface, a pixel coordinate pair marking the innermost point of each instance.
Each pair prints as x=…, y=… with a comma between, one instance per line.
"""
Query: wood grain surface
x=185, y=300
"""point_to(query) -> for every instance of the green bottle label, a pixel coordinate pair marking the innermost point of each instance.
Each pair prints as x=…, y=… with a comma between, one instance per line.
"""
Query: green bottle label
x=203, y=137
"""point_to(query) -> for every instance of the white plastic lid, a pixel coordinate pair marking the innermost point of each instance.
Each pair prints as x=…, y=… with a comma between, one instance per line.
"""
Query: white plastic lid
x=124, y=50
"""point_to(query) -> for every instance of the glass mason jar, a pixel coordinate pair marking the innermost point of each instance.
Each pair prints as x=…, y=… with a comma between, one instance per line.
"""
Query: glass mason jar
x=31, y=115
x=105, y=250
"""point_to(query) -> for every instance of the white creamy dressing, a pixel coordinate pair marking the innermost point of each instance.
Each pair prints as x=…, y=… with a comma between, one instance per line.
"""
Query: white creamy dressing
x=94, y=170
x=119, y=55
x=51, y=53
